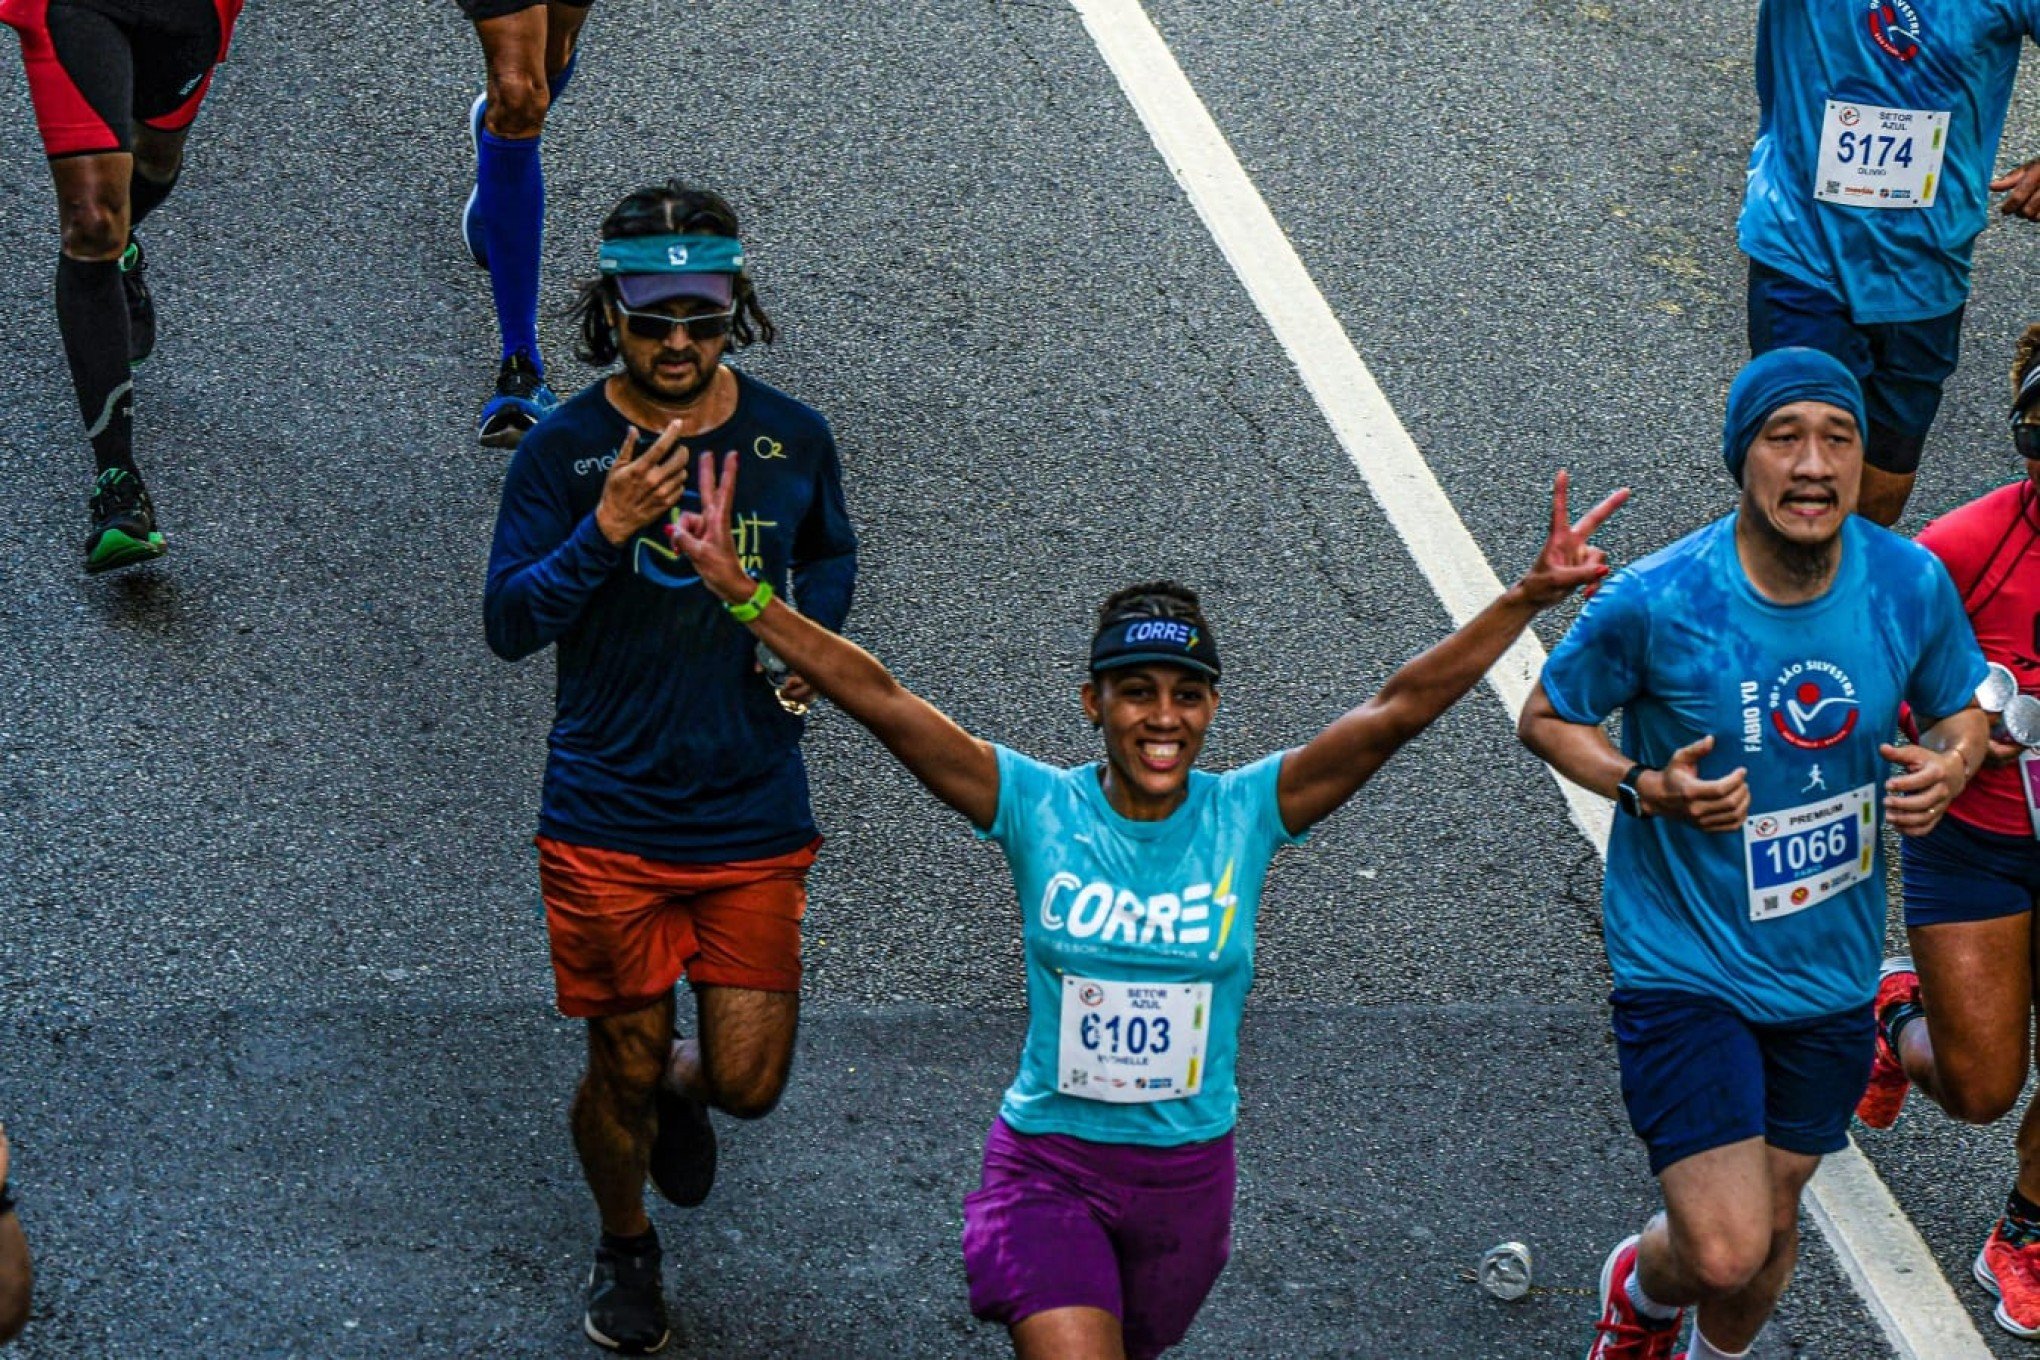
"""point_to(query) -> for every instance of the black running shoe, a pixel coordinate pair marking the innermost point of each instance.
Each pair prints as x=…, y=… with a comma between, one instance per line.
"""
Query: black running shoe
x=522, y=400
x=626, y=1302
x=123, y=523
x=683, y=1151
x=141, y=307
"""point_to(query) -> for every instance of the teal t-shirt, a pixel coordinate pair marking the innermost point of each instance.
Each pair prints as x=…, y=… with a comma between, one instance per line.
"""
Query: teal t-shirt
x=1116, y=914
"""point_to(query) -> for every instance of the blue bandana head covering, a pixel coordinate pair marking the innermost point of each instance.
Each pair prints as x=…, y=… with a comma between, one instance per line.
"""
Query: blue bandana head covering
x=1779, y=378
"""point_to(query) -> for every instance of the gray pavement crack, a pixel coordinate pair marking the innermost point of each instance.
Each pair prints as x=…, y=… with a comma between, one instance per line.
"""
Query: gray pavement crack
x=1000, y=8
x=1229, y=396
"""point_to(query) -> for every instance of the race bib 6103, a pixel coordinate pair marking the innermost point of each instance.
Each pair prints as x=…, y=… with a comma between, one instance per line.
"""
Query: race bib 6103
x=1132, y=1042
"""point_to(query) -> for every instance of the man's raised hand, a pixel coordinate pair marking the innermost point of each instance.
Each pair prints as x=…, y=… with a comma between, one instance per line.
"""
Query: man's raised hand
x=1915, y=801
x=640, y=487
x=2021, y=188
x=1710, y=804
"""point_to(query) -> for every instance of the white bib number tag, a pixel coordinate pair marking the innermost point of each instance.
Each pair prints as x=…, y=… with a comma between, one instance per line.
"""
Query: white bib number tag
x=1132, y=1042
x=1801, y=856
x=2029, y=781
x=1880, y=158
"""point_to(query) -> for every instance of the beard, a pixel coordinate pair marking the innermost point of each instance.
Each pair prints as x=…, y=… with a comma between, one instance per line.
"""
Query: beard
x=1806, y=565
x=645, y=379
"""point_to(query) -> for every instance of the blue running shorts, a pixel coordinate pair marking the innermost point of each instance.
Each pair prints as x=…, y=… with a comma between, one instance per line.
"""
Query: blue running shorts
x=1901, y=364
x=1697, y=1076
x=1959, y=872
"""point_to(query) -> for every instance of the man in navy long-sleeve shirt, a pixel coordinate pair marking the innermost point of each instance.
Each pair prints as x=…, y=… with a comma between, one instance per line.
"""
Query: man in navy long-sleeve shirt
x=674, y=829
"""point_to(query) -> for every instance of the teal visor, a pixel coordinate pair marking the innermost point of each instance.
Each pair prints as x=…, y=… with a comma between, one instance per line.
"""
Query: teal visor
x=671, y=255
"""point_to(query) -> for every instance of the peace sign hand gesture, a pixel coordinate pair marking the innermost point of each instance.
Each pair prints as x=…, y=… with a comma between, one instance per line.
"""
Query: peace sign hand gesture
x=641, y=486
x=1568, y=560
x=704, y=534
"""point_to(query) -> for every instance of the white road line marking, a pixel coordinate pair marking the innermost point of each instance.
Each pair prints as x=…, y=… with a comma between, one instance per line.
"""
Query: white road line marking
x=1260, y=253
x=1880, y=1251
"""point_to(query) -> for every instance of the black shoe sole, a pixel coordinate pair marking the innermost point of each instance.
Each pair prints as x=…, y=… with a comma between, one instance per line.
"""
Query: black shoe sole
x=683, y=1153
x=595, y=1335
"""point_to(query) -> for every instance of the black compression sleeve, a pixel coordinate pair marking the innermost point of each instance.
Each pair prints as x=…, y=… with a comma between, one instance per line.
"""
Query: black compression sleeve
x=92, y=315
x=145, y=195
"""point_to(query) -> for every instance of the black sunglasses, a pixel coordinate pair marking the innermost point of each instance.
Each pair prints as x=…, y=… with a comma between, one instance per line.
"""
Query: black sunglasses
x=2027, y=437
x=659, y=325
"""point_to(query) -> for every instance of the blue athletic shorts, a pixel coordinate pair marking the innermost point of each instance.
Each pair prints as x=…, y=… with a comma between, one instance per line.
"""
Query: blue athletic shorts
x=1697, y=1076
x=1958, y=872
x=1901, y=364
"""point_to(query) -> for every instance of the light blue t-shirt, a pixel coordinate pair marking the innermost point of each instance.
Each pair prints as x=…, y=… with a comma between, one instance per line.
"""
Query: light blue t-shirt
x=1800, y=695
x=1105, y=898
x=1952, y=56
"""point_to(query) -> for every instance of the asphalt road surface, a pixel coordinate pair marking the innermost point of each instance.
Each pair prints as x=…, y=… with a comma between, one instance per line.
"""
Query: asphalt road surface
x=276, y=1041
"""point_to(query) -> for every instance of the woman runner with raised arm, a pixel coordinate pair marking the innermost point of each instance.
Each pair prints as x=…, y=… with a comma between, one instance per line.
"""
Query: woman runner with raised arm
x=1105, y=1213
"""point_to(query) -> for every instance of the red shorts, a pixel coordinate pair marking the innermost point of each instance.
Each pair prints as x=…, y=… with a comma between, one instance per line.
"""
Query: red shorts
x=624, y=928
x=92, y=77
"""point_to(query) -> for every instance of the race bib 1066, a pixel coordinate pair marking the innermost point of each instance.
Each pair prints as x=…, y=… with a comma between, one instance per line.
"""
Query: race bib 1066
x=1132, y=1042
x=1880, y=158
x=1799, y=857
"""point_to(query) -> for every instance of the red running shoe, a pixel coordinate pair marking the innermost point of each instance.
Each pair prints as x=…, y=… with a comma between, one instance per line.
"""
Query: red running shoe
x=1897, y=983
x=1623, y=1333
x=2009, y=1267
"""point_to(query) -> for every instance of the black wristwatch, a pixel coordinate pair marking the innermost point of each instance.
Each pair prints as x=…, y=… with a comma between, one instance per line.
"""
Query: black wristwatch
x=1629, y=794
x=6, y=1200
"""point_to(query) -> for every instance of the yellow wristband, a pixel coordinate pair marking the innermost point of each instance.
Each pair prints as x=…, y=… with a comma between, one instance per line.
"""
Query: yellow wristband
x=753, y=607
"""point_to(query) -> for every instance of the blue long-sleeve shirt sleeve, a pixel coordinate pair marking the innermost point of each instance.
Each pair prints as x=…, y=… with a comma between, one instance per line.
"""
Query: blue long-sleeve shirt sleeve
x=825, y=550
x=544, y=563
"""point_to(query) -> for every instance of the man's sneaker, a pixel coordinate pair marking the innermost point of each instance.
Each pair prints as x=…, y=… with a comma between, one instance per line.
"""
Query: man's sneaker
x=141, y=308
x=2009, y=1267
x=626, y=1303
x=522, y=400
x=473, y=230
x=123, y=523
x=683, y=1151
x=1898, y=985
x=1623, y=1333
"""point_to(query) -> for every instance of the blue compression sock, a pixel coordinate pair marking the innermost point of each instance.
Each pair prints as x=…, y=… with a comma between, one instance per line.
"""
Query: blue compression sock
x=511, y=200
x=557, y=85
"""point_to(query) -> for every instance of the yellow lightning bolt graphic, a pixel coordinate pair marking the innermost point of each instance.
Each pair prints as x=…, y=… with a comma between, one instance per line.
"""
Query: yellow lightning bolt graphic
x=657, y=548
x=1224, y=894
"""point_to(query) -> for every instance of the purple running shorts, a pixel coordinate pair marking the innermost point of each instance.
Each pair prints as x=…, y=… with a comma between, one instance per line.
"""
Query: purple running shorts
x=1059, y=1222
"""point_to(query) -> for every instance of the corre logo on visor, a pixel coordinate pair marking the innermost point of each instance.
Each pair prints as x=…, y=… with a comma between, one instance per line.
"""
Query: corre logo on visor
x=1175, y=642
